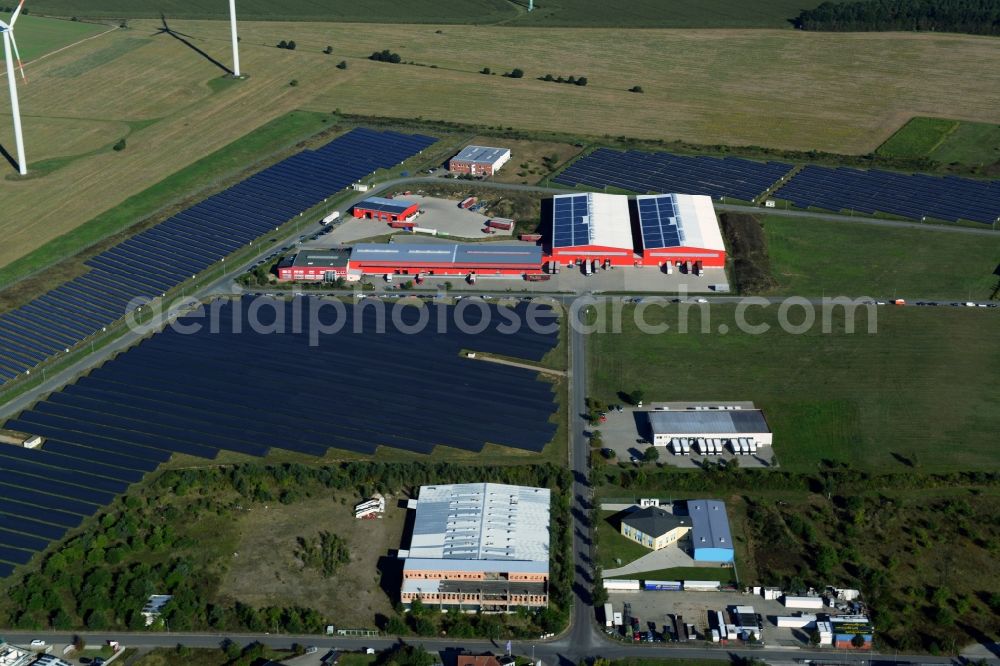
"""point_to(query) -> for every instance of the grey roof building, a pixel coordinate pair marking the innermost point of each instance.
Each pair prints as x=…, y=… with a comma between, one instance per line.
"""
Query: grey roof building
x=669, y=424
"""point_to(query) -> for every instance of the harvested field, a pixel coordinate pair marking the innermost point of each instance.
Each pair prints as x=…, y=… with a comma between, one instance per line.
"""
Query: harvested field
x=701, y=86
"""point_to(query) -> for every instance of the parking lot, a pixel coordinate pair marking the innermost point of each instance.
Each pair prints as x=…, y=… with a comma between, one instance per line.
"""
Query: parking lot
x=694, y=607
x=627, y=434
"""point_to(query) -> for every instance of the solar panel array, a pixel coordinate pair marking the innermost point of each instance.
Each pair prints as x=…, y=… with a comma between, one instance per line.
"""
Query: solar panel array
x=161, y=258
x=913, y=196
x=658, y=221
x=201, y=393
x=641, y=172
x=571, y=221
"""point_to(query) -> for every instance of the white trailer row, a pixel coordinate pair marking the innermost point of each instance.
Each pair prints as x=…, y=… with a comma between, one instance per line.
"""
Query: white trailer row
x=685, y=446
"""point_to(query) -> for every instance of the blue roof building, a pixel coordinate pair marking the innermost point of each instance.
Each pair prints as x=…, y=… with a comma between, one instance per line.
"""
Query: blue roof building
x=711, y=539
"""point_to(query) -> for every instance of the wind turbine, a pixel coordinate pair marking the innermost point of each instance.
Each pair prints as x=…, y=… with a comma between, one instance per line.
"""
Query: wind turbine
x=8, y=41
x=236, y=39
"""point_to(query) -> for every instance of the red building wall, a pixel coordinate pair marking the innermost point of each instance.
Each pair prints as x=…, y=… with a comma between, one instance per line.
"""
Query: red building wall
x=309, y=273
x=472, y=168
x=708, y=258
x=365, y=213
x=618, y=256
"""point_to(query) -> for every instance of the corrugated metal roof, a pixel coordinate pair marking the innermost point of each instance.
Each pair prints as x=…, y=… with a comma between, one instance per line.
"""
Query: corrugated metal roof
x=591, y=219
x=707, y=421
x=466, y=254
x=385, y=205
x=481, y=521
x=481, y=154
x=709, y=524
x=678, y=220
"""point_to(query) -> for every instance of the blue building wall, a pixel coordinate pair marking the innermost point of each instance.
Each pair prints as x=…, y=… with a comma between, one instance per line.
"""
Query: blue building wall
x=713, y=554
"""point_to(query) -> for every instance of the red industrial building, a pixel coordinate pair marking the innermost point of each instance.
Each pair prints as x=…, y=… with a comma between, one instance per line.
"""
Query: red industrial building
x=479, y=160
x=385, y=210
x=673, y=228
x=592, y=227
x=679, y=228
x=481, y=259
x=315, y=265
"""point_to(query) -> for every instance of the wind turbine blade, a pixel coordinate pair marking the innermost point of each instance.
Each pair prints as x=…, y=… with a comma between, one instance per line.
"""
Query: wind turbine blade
x=17, y=55
x=17, y=12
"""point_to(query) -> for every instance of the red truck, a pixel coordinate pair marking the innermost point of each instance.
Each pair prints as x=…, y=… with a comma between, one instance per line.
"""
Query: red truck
x=468, y=202
x=530, y=237
x=537, y=278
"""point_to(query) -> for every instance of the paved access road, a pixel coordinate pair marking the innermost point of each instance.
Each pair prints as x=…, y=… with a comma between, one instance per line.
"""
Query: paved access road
x=565, y=651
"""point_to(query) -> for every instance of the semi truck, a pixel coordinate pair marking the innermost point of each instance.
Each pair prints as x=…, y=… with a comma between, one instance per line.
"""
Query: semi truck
x=330, y=218
x=609, y=616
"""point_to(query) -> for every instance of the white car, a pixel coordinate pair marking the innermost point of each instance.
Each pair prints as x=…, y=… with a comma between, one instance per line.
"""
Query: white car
x=38, y=643
x=701, y=300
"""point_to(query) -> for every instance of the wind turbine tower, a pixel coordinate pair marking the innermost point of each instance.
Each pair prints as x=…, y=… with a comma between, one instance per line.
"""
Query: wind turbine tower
x=236, y=39
x=8, y=42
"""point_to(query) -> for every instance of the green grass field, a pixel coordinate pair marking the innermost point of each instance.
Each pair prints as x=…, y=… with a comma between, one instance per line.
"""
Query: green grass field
x=945, y=141
x=641, y=13
x=921, y=392
x=37, y=36
x=813, y=258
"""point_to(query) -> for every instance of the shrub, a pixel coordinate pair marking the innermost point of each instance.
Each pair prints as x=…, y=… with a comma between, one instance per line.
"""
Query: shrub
x=636, y=89
x=516, y=73
x=342, y=64
x=485, y=70
x=328, y=50
x=120, y=146
x=282, y=44
x=293, y=83
x=291, y=45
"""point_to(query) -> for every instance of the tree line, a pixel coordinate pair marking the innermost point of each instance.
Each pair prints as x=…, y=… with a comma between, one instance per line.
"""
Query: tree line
x=100, y=579
x=978, y=17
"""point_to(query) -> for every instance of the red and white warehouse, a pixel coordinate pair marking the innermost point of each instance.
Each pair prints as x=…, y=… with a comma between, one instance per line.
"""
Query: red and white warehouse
x=668, y=228
x=479, y=160
x=385, y=210
x=315, y=265
x=452, y=259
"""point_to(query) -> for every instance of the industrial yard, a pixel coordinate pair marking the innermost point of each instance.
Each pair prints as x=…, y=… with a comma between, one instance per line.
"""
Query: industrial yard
x=272, y=369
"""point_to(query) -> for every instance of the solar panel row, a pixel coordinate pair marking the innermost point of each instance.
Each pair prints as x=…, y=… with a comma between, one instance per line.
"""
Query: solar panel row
x=571, y=221
x=154, y=261
x=641, y=172
x=658, y=223
x=913, y=196
x=177, y=393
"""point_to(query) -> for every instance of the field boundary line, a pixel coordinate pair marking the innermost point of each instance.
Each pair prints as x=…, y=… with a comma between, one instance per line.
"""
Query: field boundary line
x=3, y=74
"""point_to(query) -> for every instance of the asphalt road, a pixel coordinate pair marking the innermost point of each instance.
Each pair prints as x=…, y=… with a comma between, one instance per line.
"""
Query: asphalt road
x=562, y=652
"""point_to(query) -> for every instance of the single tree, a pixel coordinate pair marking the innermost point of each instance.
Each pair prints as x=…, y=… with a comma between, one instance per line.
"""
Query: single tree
x=342, y=64
x=120, y=146
x=282, y=44
x=858, y=641
x=485, y=70
x=636, y=89
x=291, y=45
x=636, y=396
x=814, y=637
x=582, y=81
x=516, y=73
x=293, y=83
x=328, y=50
x=652, y=454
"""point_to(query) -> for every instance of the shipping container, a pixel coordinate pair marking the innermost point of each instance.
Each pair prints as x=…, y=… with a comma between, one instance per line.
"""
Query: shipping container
x=530, y=237
x=501, y=223
x=815, y=603
x=662, y=585
x=621, y=585
x=609, y=616
x=618, y=619
x=533, y=277
x=701, y=585
x=796, y=621
x=331, y=217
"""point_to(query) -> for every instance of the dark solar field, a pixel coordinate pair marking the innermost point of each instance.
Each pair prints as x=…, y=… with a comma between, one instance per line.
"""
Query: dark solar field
x=155, y=261
x=664, y=173
x=248, y=392
x=913, y=196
